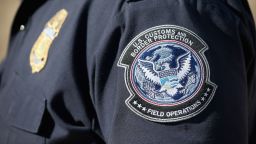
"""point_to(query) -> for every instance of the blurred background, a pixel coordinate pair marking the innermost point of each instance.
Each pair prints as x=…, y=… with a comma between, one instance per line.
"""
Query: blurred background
x=8, y=9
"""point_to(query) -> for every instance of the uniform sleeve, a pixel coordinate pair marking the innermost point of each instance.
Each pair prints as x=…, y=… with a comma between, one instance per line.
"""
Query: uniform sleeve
x=248, y=41
x=180, y=73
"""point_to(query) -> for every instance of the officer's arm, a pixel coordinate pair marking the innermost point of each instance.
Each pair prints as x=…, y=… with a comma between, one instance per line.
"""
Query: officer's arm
x=184, y=72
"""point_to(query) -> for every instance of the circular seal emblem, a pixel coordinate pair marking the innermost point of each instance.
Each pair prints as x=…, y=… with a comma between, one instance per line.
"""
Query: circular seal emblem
x=167, y=74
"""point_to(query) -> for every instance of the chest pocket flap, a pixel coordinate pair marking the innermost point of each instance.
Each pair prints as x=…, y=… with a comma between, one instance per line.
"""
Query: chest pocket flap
x=22, y=104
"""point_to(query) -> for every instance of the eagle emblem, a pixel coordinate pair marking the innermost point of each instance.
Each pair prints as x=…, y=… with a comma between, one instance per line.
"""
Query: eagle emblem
x=164, y=73
x=168, y=78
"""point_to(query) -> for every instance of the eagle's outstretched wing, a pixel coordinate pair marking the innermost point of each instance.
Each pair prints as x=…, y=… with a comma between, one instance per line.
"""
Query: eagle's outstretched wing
x=149, y=71
x=184, y=65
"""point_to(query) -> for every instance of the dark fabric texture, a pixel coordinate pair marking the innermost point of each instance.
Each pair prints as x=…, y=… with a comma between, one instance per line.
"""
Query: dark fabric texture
x=79, y=96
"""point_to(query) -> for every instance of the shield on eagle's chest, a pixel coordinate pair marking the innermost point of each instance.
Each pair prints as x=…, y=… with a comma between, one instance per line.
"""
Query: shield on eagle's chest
x=169, y=76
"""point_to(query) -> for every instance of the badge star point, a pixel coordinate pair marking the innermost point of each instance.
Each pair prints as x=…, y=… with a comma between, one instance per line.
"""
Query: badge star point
x=139, y=106
x=144, y=108
x=135, y=102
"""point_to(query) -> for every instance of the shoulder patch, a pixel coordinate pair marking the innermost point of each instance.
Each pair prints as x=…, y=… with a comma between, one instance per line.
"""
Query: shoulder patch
x=167, y=74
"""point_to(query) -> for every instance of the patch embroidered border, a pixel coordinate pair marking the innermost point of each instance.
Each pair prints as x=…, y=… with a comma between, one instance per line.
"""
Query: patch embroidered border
x=167, y=74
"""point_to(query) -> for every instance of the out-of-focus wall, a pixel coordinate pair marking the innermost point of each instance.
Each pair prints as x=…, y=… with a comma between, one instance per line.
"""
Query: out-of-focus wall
x=253, y=8
x=7, y=11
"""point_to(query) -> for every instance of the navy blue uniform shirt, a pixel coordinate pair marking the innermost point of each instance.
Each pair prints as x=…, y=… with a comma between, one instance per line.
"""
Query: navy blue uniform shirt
x=130, y=72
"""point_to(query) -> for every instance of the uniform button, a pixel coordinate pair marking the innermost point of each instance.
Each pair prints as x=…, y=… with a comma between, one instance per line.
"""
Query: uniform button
x=22, y=27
